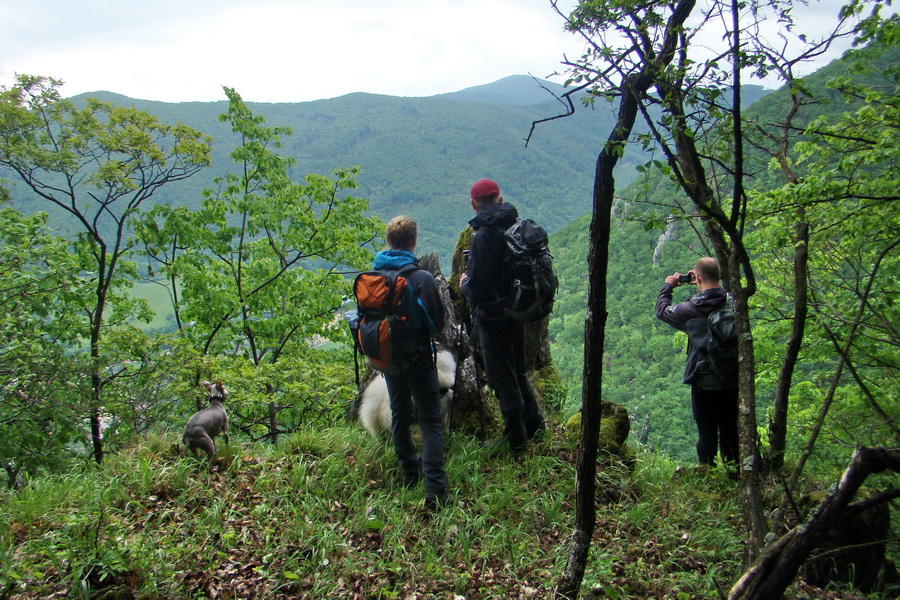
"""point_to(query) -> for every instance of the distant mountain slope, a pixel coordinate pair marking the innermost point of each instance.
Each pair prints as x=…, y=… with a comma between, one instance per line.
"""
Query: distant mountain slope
x=420, y=155
x=513, y=90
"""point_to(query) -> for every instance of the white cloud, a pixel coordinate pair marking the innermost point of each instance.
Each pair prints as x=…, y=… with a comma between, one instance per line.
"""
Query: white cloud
x=288, y=51
x=280, y=51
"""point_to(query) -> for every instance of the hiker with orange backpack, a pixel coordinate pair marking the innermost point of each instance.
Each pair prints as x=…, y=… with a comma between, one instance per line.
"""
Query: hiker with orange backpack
x=397, y=340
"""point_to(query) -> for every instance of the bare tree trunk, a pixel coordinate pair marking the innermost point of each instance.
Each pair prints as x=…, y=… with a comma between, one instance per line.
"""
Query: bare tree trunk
x=754, y=507
x=634, y=87
x=273, y=423
x=776, y=567
x=843, y=353
x=778, y=423
x=96, y=426
x=12, y=475
x=594, y=336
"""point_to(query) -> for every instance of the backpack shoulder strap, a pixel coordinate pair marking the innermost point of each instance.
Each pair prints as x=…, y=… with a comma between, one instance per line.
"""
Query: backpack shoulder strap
x=408, y=268
x=429, y=323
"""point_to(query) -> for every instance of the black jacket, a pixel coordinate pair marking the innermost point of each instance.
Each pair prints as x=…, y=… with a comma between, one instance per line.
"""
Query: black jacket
x=487, y=278
x=690, y=317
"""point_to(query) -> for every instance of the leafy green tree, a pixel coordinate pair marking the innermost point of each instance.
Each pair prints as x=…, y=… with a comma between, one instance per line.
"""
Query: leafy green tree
x=258, y=273
x=846, y=199
x=98, y=163
x=692, y=106
x=40, y=387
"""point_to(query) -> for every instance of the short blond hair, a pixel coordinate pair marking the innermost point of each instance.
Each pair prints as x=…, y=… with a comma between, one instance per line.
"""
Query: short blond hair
x=401, y=233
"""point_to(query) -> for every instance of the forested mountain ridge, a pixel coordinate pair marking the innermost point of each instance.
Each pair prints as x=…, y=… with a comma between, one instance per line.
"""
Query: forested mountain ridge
x=420, y=155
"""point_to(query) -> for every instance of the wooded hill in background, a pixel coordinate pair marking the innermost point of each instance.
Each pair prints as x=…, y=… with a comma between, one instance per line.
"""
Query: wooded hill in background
x=419, y=156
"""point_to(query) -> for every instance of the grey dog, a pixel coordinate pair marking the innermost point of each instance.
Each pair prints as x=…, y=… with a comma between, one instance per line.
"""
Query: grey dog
x=203, y=427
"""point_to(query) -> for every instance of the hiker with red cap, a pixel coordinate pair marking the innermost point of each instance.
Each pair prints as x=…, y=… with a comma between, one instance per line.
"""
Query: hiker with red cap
x=484, y=285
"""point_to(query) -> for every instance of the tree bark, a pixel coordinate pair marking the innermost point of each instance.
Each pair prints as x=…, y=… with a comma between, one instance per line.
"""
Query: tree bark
x=594, y=336
x=776, y=567
x=778, y=423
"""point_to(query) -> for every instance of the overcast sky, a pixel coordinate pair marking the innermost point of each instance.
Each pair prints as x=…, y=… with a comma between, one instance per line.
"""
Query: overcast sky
x=286, y=51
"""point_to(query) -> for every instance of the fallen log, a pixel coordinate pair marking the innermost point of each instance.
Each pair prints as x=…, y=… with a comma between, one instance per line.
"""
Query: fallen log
x=777, y=566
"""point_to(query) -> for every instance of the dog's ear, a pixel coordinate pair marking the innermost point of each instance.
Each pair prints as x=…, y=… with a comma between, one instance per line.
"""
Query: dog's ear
x=221, y=388
x=207, y=385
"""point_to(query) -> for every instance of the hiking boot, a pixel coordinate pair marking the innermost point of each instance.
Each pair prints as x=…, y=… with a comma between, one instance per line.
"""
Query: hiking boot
x=434, y=500
x=411, y=479
x=536, y=427
x=514, y=430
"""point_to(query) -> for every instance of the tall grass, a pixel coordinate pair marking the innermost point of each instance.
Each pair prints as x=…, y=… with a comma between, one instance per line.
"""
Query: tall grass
x=324, y=515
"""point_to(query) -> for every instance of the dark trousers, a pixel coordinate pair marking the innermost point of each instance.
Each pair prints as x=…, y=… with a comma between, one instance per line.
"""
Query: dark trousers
x=418, y=386
x=503, y=353
x=716, y=413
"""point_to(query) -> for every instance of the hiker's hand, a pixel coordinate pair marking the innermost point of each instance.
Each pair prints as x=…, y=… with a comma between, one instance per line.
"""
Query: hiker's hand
x=462, y=277
x=673, y=280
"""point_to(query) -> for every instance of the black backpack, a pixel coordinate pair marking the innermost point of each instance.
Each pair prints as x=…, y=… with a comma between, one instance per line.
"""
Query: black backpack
x=530, y=267
x=721, y=342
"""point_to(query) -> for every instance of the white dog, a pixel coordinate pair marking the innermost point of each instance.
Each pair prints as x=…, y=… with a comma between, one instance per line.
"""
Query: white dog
x=375, y=407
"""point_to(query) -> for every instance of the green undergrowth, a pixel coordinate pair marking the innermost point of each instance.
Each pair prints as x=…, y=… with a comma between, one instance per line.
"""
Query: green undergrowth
x=324, y=515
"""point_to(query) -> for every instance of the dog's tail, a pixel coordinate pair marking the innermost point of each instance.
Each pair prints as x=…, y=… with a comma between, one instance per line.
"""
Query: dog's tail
x=375, y=408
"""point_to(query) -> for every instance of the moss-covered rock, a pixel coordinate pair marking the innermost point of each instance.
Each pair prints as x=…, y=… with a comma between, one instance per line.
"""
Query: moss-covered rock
x=614, y=428
x=549, y=386
x=458, y=265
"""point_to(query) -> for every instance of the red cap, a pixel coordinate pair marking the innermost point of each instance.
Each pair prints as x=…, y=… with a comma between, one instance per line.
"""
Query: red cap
x=485, y=189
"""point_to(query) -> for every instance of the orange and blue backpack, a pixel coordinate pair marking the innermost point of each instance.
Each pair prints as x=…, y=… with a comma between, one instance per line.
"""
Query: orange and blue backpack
x=389, y=319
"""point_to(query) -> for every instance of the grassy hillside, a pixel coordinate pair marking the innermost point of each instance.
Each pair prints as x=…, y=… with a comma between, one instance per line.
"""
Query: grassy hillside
x=160, y=303
x=324, y=516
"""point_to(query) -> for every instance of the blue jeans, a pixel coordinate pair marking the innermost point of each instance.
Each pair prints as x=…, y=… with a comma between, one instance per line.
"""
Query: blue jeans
x=416, y=393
